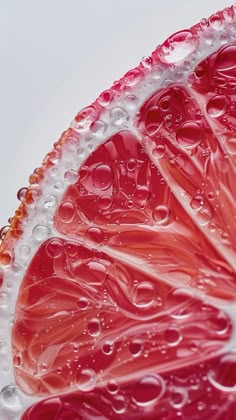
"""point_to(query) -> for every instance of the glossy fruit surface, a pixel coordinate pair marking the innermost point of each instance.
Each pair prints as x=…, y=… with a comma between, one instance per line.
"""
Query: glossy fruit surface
x=118, y=269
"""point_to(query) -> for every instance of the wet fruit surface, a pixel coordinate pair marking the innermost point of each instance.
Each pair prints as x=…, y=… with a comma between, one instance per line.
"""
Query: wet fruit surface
x=126, y=308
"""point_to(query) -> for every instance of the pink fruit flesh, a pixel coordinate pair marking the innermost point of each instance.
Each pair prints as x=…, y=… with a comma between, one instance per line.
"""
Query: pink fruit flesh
x=121, y=315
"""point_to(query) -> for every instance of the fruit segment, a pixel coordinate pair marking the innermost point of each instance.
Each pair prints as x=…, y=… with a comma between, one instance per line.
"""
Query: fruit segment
x=116, y=295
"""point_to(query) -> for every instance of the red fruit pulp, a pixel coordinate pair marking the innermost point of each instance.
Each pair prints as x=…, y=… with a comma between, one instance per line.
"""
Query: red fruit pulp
x=126, y=309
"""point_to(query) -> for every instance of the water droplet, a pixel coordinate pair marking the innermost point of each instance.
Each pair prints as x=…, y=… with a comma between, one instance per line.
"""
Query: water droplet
x=153, y=120
x=165, y=103
x=102, y=177
x=131, y=102
x=105, y=202
x=94, y=327
x=148, y=390
x=82, y=303
x=142, y=194
x=49, y=201
x=119, y=404
x=135, y=347
x=86, y=380
x=143, y=294
x=147, y=62
x=205, y=214
x=172, y=336
x=228, y=14
x=197, y=202
x=58, y=185
x=98, y=128
x=223, y=374
x=216, y=106
x=105, y=98
x=25, y=251
x=67, y=211
x=178, y=397
x=113, y=386
x=159, y=151
x=40, y=232
x=189, y=134
x=55, y=248
x=18, y=360
x=75, y=347
x=93, y=236
x=161, y=215
x=6, y=258
x=215, y=22
x=118, y=116
x=108, y=347
x=3, y=231
x=84, y=119
x=9, y=397
x=132, y=77
x=71, y=176
x=178, y=47
x=21, y=193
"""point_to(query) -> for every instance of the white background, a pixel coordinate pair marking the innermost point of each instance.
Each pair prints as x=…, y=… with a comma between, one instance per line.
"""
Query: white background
x=56, y=56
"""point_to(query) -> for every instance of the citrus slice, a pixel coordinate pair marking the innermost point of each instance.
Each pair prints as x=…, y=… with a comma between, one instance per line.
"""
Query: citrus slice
x=118, y=283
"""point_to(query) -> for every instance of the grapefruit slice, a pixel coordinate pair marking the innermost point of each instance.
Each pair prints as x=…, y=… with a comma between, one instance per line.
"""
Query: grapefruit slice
x=118, y=283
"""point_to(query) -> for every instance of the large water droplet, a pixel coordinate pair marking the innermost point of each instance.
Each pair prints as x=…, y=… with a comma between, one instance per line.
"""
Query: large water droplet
x=159, y=151
x=225, y=62
x=105, y=202
x=21, y=193
x=9, y=397
x=40, y=232
x=223, y=375
x=189, y=134
x=49, y=200
x=143, y=294
x=55, y=248
x=135, y=347
x=118, y=116
x=93, y=236
x=216, y=106
x=102, y=177
x=161, y=215
x=172, y=336
x=142, y=194
x=98, y=128
x=71, y=176
x=67, y=211
x=148, y=390
x=84, y=119
x=113, y=386
x=178, y=47
x=153, y=120
x=94, y=327
x=25, y=251
x=197, y=202
x=82, y=303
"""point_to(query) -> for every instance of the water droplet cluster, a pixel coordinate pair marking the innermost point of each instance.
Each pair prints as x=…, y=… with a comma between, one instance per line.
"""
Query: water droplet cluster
x=125, y=238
